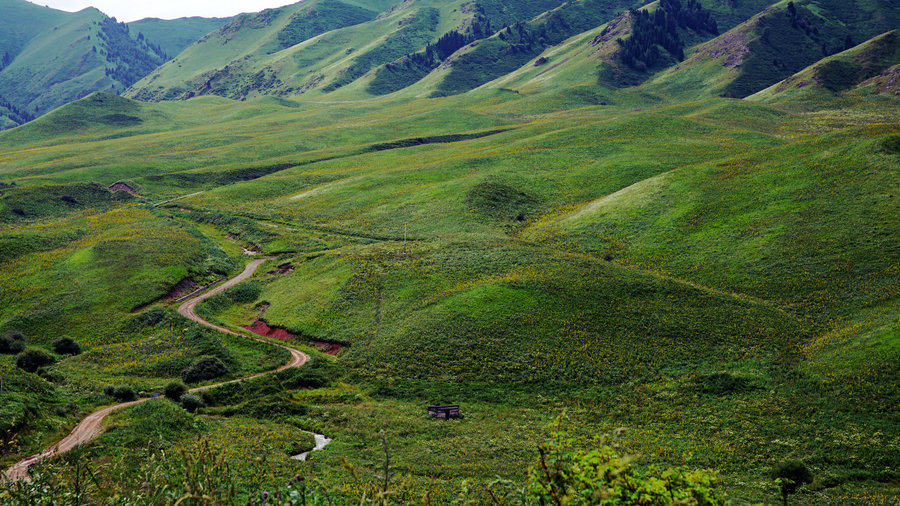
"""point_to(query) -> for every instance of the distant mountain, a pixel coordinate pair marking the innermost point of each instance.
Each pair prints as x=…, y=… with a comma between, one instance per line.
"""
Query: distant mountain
x=353, y=49
x=871, y=63
x=359, y=48
x=50, y=57
x=776, y=43
x=174, y=35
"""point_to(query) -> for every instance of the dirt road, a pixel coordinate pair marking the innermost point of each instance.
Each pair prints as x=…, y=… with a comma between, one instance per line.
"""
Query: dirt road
x=92, y=425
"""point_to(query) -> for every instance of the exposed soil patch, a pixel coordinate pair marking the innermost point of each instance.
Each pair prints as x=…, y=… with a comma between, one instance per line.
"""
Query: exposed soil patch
x=184, y=286
x=261, y=328
x=888, y=83
x=231, y=237
x=283, y=269
x=328, y=348
x=122, y=187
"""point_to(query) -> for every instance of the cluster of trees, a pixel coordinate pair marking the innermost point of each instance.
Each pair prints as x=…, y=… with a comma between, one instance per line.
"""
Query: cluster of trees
x=18, y=115
x=131, y=59
x=448, y=44
x=808, y=26
x=650, y=32
x=32, y=359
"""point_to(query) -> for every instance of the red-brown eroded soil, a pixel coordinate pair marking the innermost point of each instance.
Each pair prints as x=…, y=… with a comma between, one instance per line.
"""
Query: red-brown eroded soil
x=261, y=328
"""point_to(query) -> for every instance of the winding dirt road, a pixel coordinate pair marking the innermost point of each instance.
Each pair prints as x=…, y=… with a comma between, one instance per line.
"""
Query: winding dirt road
x=91, y=426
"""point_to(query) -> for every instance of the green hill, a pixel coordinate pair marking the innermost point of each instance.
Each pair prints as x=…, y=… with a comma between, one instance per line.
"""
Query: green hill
x=72, y=56
x=174, y=35
x=773, y=45
x=258, y=53
x=49, y=57
x=840, y=72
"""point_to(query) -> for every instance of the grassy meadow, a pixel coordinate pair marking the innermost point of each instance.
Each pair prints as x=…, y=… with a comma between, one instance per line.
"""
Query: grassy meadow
x=718, y=279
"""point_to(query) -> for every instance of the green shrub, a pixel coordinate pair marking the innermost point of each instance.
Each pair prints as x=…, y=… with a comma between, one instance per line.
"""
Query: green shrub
x=109, y=390
x=32, y=359
x=245, y=292
x=721, y=383
x=605, y=476
x=891, y=145
x=191, y=402
x=174, y=390
x=12, y=343
x=791, y=475
x=205, y=368
x=124, y=393
x=66, y=346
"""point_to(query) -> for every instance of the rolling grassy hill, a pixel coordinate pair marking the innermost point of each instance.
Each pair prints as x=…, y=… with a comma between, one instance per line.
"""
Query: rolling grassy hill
x=611, y=259
x=713, y=279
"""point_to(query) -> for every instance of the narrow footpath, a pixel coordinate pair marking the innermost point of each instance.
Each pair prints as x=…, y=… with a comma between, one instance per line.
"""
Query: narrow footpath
x=92, y=425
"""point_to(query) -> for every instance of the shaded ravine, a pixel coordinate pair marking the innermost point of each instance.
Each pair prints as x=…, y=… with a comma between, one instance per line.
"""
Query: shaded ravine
x=91, y=426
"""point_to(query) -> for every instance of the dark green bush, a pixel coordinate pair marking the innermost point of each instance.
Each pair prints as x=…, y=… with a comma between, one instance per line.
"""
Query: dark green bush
x=205, y=368
x=891, y=145
x=245, y=292
x=124, y=393
x=191, y=402
x=109, y=390
x=317, y=373
x=151, y=317
x=66, y=346
x=721, y=383
x=32, y=359
x=174, y=390
x=791, y=475
x=12, y=343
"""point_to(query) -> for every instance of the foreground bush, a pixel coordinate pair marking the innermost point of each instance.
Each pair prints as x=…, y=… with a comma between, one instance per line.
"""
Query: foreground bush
x=191, y=403
x=206, y=368
x=174, y=390
x=33, y=359
x=122, y=392
x=66, y=346
x=245, y=292
x=12, y=343
x=199, y=474
x=790, y=475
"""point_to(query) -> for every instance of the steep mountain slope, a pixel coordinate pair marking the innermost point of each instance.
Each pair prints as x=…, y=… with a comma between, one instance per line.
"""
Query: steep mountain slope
x=774, y=44
x=870, y=60
x=251, y=53
x=174, y=35
x=81, y=52
x=21, y=22
x=361, y=49
x=446, y=46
